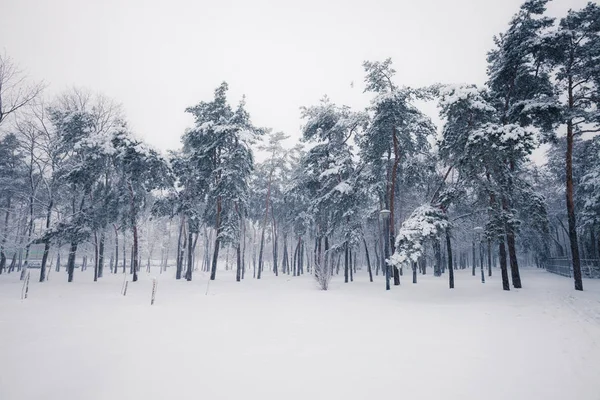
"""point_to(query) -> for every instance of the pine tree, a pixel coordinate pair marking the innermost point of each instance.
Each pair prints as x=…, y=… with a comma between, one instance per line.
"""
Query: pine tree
x=575, y=51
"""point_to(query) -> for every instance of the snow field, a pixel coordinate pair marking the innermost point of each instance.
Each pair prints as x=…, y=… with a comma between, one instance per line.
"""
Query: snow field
x=282, y=338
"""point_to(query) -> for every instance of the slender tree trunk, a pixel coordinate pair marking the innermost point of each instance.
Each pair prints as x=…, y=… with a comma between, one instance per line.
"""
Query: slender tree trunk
x=71, y=261
x=352, y=261
x=95, y=256
x=368, y=260
x=213, y=270
x=190, y=253
x=101, y=254
x=124, y=254
x=570, y=201
x=414, y=271
x=503, y=265
x=135, y=232
x=238, y=271
x=116, y=248
x=5, y=235
x=392, y=221
x=474, y=264
x=489, y=257
x=260, y=254
x=346, y=262
x=512, y=255
x=46, y=243
x=29, y=233
x=179, y=246
x=450, y=268
x=57, y=258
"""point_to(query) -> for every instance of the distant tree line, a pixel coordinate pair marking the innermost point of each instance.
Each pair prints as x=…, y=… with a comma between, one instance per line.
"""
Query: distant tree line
x=381, y=188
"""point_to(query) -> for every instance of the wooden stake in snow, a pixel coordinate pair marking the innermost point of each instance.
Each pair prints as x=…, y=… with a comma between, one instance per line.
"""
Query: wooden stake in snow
x=154, y=285
x=125, y=288
x=25, y=289
x=123, y=285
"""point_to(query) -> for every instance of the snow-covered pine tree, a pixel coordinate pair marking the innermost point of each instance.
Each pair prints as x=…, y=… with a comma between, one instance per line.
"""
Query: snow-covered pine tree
x=397, y=131
x=574, y=49
x=520, y=89
x=218, y=147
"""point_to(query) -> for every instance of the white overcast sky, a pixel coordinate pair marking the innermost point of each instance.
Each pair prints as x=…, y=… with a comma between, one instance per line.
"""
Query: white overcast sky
x=159, y=57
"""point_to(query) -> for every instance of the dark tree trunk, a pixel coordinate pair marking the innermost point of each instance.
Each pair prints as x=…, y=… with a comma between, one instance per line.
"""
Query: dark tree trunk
x=124, y=254
x=414, y=271
x=368, y=260
x=58, y=258
x=352, y=261
x=570, y=201
x=4, y=236
x=260, y=254
x=101, y=255
x=116, y=249
x=301, y=262
x=275, y=243
x=474, y=264
x=284, y=261
x=46, y=243
x=135, y=253
x=213, y=268
x=95, y=256
x=179, y=266
x=346, y=262
x=71, y=261
x=489, y=257
x=503, y=266
x=190, y=254
x=238, y=271
x=450, y=268
x=512, y=255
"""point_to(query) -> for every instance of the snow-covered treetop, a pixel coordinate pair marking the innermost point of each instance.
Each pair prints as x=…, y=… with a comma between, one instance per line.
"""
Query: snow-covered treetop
x=467, y=95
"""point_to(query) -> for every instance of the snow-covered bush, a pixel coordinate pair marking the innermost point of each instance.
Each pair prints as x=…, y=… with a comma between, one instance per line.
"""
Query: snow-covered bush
x=425, y=222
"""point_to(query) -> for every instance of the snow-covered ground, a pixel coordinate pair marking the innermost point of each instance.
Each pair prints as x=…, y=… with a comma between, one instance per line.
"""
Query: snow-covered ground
x=282, y=338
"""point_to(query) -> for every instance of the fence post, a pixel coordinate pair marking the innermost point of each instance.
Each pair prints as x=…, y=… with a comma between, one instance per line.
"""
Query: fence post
x=25, y=289
x=154, y=285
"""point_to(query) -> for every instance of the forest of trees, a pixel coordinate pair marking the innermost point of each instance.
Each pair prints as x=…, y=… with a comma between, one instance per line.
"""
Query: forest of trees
x=380, y=191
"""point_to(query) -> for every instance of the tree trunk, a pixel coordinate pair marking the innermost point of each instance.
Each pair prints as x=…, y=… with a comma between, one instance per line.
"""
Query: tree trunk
x=116, y=248
x=570, y=201
x=190, y=254
x=213, y=269
x=474, y=264
x=489, y=257
x=46, y=243
x=179, y=266
x=29, y=233
x=238, y=271
x=368, y=260
x=101, y=255
x=135, y=232
x=124, y=254
x=95, y=256
x=71, y=261
x=414, y=271
x=450, y=268
x=346, y=262
x=4, y=236
x=57, y=259
x=352, y=259
x=503, y=266
x=391, y=222
x=260, y=254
